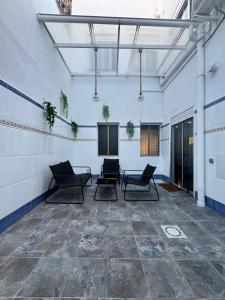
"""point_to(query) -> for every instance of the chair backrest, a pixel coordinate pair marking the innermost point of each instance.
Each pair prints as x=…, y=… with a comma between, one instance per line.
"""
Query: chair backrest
x=67, y=168
x=148, y=173
x=61, y=171
x=111, y=165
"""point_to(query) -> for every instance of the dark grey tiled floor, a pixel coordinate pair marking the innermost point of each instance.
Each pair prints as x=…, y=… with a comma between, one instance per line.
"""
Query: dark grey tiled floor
x=115, y=250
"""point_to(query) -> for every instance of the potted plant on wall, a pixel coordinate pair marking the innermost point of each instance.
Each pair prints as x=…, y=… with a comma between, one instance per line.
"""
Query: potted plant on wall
x=130, y=129
x=105, y=112
x=50, y=113
x=64, y=104
x=74, y=128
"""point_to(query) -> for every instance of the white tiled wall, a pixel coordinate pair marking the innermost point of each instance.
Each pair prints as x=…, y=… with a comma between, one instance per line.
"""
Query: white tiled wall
x=29, y=63
x=182, y=90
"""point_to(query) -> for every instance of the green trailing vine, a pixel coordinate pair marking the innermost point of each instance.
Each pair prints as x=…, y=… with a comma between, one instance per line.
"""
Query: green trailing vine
x=130, y=129
x=74, y=128
x=64, y=103
x=50, y=113
x=105, y=112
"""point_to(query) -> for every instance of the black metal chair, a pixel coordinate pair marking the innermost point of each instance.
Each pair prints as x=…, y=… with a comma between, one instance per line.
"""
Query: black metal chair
x=143, y=180
x=111, y=169
x=65, y=177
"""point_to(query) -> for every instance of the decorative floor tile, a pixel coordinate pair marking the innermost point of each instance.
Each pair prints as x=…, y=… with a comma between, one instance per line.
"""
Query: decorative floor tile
x=173, y=232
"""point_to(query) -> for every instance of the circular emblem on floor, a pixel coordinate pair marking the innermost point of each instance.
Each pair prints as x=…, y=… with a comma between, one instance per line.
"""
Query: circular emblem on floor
x=171, y=230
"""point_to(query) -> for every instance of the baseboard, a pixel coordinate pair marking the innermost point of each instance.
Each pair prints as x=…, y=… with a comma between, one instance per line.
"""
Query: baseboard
x=12, y=218
x=213, y=204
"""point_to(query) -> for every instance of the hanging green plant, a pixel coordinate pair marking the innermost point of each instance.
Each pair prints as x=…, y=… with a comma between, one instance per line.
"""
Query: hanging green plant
x=50, y=113
x=64, y=103
x=74, y=128
x=105, y=112
x=130, y=129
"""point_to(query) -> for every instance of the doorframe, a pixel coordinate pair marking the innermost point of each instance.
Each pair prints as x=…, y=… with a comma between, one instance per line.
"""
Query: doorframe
x=172, y=156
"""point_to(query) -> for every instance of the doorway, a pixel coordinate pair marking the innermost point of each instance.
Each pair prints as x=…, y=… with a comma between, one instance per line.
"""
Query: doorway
x=182, y=154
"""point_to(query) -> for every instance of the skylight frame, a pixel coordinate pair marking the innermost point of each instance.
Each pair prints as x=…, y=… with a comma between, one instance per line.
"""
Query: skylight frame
x=91, y=21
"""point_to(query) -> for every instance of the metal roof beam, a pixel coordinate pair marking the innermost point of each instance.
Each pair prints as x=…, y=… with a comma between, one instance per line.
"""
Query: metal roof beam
x=115, y=21
x=120, y=46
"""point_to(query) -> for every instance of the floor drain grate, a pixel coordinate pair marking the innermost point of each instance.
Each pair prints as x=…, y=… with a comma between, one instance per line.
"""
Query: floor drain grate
x=173, y=232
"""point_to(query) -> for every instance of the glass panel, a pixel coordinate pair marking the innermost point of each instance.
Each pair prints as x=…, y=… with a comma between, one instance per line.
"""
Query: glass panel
x=151, y=60
x=157, y=35
x=127, y=34
x=79, y=61
x=113, y=140
x=124, y=59
x=102, y=140
x=105, y=34
x=69, y=33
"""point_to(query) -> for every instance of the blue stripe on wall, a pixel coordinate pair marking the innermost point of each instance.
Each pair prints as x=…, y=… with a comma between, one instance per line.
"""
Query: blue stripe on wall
x=22, y=211
x=215, y=102
x=165, y=125
x=27, y=98
x=213, y=204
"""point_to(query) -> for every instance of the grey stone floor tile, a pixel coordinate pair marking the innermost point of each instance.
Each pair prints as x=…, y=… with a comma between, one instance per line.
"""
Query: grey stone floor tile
x=63, y=245
x=25, y=225
x=99, y=213
x=48, y=278
x=151, y=247
x=75, y=243
x=53, y=226
x=120, y=228
x=183, y=248
x=123, y=247
x=86, y=278
x=93, y=246
x=139, y=215
x=214, y=227
x=164, y=280
x=79, y=213
x=220, y=266
x=202, y=278
x=14, y=272
x=119, y=214
x=9, y=243
x=145, y=228
x=126, y=279
x=34, y=245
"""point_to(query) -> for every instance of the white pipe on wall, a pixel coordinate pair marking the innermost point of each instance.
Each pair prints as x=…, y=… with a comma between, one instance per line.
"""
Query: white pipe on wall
x=201, y=118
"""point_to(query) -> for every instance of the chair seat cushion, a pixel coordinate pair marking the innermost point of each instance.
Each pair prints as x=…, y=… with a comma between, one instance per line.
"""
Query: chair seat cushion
x=84, y=177
x=75, y=180
x=135, y=180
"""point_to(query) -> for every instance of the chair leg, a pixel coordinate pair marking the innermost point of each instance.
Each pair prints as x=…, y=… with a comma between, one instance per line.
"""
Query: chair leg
x=143, y=191
x=115, y=191
x=96, y=192
x=156, y=189
x=82, y=192
x=47, y=194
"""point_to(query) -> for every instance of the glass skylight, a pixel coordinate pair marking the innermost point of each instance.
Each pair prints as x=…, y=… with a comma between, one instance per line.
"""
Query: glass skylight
x=118, y=43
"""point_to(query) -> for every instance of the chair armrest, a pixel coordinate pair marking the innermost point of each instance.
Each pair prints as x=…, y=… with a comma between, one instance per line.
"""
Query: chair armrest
x=83, y=167
x=124, y=171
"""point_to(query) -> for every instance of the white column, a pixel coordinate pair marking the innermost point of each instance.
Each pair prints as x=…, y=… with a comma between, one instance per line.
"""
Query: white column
x=201, y=118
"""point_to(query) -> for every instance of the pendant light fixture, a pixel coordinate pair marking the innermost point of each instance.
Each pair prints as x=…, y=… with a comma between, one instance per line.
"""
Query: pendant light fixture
x=141, y=96
x=96, y=97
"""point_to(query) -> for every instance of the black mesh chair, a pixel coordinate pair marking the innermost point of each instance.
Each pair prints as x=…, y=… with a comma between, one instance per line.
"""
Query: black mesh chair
x=111, y=169
x=65, y=177
x=143, y=180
